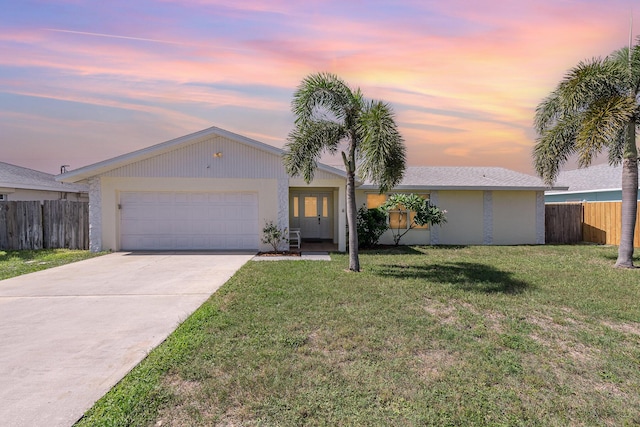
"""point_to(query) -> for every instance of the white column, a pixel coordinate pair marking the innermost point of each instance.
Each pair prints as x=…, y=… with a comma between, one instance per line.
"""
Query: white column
x=283, y=205
x=487, y=230
x=434, y=230
x=95, y=214
x=540, y=218
x=342, y=219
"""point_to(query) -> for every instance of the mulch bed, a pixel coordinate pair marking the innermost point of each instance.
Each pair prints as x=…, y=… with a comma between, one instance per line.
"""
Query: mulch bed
x=284, y=253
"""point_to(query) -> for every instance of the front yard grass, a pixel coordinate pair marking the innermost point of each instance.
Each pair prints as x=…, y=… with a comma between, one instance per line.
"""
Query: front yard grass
x=16, y=263
x=530, y=336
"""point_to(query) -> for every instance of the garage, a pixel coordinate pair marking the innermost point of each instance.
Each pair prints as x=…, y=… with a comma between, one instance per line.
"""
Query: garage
x=156, y=220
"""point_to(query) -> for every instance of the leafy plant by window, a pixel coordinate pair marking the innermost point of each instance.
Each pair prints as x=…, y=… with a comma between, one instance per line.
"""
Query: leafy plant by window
x=274, y=235
x=371, y=224
x=411, y=211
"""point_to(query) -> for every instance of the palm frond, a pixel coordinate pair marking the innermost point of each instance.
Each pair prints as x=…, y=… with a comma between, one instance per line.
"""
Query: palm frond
x=602, y=125
x=554, y=147
x=590, y=81
x=321, y=94
x=381, y=152
x=616, y=150
x=547, y=112
x=305, y=146
x=581, y=86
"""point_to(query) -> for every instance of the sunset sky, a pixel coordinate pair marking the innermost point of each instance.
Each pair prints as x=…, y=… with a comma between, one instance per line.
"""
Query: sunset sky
x=83, y=81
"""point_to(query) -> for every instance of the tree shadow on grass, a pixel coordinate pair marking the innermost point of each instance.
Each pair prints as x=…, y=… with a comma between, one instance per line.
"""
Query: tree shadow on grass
x=404, y=249
x=389, y=250
x=467, y=276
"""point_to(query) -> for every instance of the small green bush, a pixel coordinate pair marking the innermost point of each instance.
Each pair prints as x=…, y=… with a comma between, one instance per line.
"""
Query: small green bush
x=371, y=223
x=274, y=235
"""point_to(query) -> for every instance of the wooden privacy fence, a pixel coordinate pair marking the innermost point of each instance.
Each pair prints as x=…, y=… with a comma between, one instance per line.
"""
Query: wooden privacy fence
x=563, y=223
x=52, y=224
x=595, y=222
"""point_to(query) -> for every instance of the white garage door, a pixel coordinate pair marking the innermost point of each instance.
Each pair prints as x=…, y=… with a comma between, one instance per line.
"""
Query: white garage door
x=187, y=221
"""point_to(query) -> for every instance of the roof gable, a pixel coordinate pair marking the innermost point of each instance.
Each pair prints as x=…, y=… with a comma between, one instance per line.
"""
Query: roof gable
x=211, y=153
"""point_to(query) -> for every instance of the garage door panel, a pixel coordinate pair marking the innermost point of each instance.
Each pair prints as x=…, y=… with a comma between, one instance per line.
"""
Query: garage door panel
x=183, y=220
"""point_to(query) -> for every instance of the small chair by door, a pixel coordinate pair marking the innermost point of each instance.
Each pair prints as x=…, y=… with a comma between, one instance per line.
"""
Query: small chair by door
x=294, y=238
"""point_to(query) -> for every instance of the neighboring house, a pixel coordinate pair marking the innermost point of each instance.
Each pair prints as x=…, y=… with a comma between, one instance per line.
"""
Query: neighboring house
x=214, y=189
x=23, y=184
x=600, y=183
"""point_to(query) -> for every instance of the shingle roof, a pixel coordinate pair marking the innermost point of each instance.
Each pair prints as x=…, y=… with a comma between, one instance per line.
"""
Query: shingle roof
x=598, y=177
x=465, y=178
x=13, y=176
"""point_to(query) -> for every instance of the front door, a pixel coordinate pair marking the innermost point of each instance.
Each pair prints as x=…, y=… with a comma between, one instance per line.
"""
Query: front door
x=315, y=222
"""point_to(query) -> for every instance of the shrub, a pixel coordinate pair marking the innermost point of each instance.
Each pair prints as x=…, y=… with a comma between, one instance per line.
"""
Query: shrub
x=274, y=235
x=424, y=213
x=371, y=223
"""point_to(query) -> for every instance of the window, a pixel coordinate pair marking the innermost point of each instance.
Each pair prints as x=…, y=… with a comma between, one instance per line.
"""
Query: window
x=398, y=218
x=375, y=200
x=3, y=197
x=296, y=213
x=310, y=207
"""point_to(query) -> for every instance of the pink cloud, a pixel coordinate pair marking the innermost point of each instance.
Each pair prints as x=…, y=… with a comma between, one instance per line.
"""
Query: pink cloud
x=460, y=74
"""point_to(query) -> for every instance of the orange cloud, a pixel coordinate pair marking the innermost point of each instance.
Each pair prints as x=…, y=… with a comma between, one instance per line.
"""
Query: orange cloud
x=464, y=77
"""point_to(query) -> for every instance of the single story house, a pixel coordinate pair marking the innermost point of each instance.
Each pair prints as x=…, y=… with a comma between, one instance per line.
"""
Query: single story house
x=598, y=183
x=23, y=184
x=215, y=189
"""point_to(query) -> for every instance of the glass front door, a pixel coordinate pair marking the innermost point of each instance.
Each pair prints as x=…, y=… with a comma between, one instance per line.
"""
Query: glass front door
x=315, y=221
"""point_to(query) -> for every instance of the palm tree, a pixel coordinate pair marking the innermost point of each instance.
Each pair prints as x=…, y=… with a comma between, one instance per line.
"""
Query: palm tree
x=328, y=113
x=596, y=108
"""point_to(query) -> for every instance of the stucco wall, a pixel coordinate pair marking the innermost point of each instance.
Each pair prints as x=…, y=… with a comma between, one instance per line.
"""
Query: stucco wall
x=514, y=217
x=479, y=218
x=465, y=217
x=111, y=188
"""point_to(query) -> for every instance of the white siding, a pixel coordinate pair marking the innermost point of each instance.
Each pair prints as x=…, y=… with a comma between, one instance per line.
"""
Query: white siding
x=198, y=160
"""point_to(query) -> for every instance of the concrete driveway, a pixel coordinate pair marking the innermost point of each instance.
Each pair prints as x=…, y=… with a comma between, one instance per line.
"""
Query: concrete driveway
x=70, y=333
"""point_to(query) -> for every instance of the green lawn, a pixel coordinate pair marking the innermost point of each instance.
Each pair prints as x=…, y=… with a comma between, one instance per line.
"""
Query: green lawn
x=537, y=335
x=16, y=263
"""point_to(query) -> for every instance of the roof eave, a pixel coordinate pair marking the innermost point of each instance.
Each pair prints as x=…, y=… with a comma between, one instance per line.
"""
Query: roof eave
x=458, y=188
x=42, y=188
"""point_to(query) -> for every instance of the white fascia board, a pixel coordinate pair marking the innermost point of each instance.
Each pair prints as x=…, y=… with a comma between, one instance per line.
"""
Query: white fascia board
x=55, y=188
x=454, y=188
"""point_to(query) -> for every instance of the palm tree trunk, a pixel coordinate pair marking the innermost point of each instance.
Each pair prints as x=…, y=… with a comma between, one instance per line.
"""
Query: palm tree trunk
x=629, y=198
x=354, y=260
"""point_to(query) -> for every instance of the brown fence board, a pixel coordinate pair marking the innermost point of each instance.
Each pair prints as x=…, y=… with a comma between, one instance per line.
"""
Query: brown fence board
x=563, y=223
x=53, y=224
